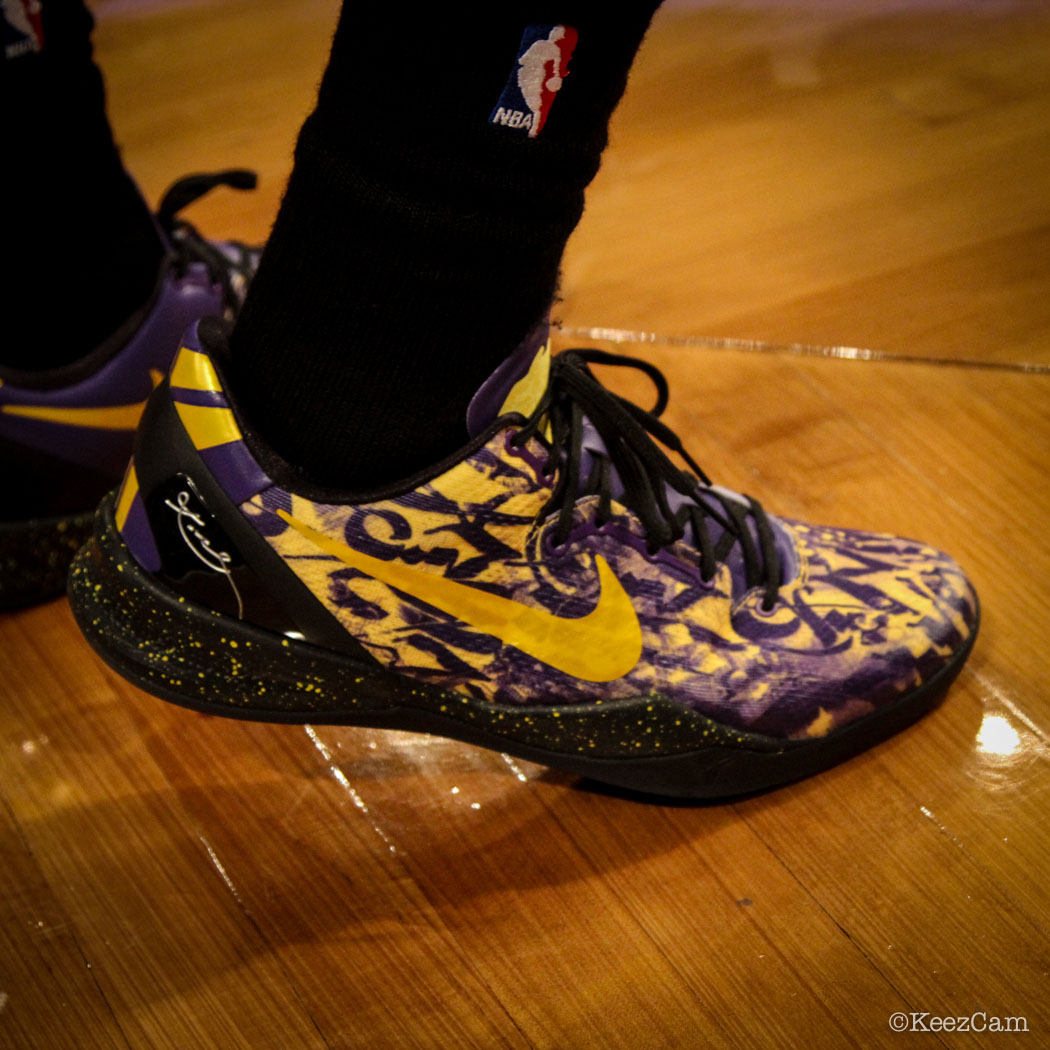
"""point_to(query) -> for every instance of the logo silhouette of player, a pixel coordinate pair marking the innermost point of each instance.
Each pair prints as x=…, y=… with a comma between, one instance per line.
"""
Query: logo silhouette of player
x=22, y=24
x=541, y=69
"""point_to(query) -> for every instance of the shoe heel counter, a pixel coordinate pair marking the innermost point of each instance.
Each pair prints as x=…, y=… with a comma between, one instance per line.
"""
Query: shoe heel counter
x=132, y=521
x=174, y=519
x=158, y=463
x=187, y=528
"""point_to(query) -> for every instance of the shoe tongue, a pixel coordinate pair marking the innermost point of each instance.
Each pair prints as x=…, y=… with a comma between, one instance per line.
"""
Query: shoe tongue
x=517, y=385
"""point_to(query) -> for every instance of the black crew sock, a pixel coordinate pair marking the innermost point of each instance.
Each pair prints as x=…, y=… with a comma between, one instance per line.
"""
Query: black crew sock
x=80, y=250
x=421, y=233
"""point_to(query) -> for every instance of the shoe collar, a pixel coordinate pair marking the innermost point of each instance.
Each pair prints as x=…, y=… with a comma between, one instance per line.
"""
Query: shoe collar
x=517, y=384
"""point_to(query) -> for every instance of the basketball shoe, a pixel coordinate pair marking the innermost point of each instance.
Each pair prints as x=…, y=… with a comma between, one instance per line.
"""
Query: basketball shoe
x=66, y=433
x=559, y=590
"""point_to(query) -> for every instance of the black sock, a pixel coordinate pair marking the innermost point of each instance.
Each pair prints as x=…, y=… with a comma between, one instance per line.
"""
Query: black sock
x=422, y=229
x=80, y=249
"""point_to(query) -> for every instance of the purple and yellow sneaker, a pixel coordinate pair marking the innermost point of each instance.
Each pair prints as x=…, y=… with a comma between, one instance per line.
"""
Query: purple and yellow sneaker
x=66, y=434
x=558, y=590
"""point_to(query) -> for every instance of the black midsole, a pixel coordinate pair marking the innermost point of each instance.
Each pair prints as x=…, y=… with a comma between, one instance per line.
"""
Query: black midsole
x=35, y=556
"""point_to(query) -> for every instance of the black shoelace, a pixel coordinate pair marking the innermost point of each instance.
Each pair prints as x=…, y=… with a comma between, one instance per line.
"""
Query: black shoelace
x=630, y=435
x=190, y=247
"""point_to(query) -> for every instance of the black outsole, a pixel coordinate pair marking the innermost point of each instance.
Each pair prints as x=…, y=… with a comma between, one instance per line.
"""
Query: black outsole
x=192, y=656
x=35, y=557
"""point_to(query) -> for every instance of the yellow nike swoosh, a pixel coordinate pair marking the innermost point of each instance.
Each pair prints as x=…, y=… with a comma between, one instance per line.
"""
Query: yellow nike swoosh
x=599, y=647
x=99, y=417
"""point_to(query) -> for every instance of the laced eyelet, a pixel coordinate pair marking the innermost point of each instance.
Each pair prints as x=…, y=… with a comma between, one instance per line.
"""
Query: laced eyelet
x=765, y=610
x=552, y=548
x=599, y=444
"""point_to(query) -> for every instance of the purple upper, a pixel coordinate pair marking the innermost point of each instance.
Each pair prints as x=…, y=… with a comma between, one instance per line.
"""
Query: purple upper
x=123, y=380
x=487, y=403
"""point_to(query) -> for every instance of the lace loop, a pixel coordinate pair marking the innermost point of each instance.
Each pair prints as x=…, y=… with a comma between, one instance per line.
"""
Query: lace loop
x=230, y=266
x=630, y=436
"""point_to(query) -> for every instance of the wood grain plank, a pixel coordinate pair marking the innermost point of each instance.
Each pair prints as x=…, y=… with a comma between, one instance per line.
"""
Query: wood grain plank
x=166, y=942
x=321, y=874
x=40, y=953
x=841, y=210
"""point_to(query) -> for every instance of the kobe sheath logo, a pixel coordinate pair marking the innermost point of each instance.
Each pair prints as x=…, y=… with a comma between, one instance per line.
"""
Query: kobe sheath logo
x=190, y=519
x=599, y=647
x=543, y=63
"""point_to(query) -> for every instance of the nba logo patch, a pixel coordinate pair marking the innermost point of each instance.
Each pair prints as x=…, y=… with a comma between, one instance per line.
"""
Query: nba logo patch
x=543, y=63
x=23, y=27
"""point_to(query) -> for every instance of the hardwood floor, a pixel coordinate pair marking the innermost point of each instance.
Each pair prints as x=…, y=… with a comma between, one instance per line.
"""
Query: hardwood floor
x=786, y=177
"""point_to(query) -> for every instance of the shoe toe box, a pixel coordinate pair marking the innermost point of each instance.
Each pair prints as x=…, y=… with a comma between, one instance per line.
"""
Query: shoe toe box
x=867, y=620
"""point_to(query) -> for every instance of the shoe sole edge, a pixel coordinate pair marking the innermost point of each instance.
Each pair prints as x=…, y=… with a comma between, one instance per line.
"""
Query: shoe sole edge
x=35, y=556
